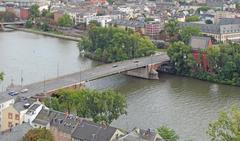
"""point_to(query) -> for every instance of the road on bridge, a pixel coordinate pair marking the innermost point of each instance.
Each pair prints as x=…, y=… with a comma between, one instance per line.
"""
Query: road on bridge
x=90, y=74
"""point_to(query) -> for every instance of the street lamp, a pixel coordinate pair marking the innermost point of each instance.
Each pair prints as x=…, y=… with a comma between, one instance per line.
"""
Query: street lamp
x=44, y=84
x=57, y=70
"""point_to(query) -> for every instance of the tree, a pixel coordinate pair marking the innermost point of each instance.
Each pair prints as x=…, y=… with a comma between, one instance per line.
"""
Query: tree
x=115, y=44
x=29, y=24
x=226, y=127
x=187, y=32
x=171, y=27
x=103, y=106
x=7, y=16
x=65, y=20
x=94, y=23
x=34, y=11
x=238, y=6
x=167, y=134
x=203, y=8
x=192, y=19
x=38, y=134
x=1, y=76
x=181, y=57
x=208, y=22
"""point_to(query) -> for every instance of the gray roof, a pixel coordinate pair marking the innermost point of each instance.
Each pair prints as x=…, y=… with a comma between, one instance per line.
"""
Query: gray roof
x=61, y=121
x=128, y=23
x=65, y=123
x=198, y=43
x=90, y=131
x=207, y=28
x=17, y=133
x=227, y=21
x=223, y=27
x=140, y=135
x=44, y=117
x=33, y=108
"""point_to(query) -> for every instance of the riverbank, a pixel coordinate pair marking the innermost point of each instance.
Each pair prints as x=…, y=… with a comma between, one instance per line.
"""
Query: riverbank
x=47, y=34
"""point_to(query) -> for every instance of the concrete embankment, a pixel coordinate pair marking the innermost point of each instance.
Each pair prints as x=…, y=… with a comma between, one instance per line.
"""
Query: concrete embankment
x=48, y=34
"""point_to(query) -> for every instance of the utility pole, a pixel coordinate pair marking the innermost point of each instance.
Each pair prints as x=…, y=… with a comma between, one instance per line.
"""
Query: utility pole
x=44, y=84
x=21, y=78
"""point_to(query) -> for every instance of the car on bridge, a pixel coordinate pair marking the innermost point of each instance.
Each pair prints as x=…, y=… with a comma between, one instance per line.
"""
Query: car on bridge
x=24, y=90
x=13, y=93
x=114, y=66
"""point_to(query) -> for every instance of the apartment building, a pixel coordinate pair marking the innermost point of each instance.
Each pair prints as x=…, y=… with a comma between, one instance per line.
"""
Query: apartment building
x=225, y=29
x=4, y=103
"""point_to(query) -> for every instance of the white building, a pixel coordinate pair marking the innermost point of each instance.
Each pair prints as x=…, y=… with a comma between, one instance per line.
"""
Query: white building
x=32, y=112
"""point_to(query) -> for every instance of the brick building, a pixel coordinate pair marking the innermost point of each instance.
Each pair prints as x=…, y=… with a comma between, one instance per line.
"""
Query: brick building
x=24, y=13
x=199, y=46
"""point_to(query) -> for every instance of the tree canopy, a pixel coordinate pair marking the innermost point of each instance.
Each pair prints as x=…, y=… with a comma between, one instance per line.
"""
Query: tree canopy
x=226, y=127
x=193, y=18
x=167, y=133
x=187, y=32
x=38, y=134
x=223, y=62
x=181, y=57
x=1, y=76
x=34, y=11
x=65, y=20
x=7, y=16
x=115, y=44
x=171, y=27
x=103, y=106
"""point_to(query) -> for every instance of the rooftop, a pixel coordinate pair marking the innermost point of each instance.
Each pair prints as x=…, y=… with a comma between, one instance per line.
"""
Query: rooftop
x=17, y=133
x=87, y=130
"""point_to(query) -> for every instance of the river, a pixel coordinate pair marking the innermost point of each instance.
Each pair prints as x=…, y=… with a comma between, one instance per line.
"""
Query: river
x=184, y=104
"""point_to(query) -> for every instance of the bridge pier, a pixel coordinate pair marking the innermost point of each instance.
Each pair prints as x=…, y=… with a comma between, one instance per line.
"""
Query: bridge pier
x=1, y=27
x=147, y=72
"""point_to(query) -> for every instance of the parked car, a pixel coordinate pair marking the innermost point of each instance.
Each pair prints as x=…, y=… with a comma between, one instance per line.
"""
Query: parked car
x=114, y=66
x=13, y=93
x=24, y=90
x=10, y=93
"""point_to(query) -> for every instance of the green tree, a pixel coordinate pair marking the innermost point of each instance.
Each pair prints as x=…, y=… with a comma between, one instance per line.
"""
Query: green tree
x=38, y=134
x=34, y=11
x=103, y=106
x=66, y=99
x=1, y=76
x=192, y=18
x=94, y=23
x=238, y=6
x=226, y=127
x=53, y=103
x=29, y=24
x=167, y=134
x=171, y=27
x=187, y=32
x=208, y=22
x=44, y=12
x=115, y=44
x=181, y=57
x=65, y=21
x=203, y=8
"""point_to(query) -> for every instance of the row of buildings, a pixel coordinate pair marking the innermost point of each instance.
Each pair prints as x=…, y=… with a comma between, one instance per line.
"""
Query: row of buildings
x=226, y=29
x=22, y=114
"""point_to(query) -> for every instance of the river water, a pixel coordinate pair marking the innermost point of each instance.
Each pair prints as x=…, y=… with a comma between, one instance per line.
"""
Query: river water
x=184, y=104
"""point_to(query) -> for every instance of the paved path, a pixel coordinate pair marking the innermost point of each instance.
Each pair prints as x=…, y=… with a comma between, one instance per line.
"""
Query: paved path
x=90, y=74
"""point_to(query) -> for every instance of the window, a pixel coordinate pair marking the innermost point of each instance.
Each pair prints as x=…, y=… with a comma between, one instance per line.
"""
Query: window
x=9, y=124
x=16, y=117
x=9, y=115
